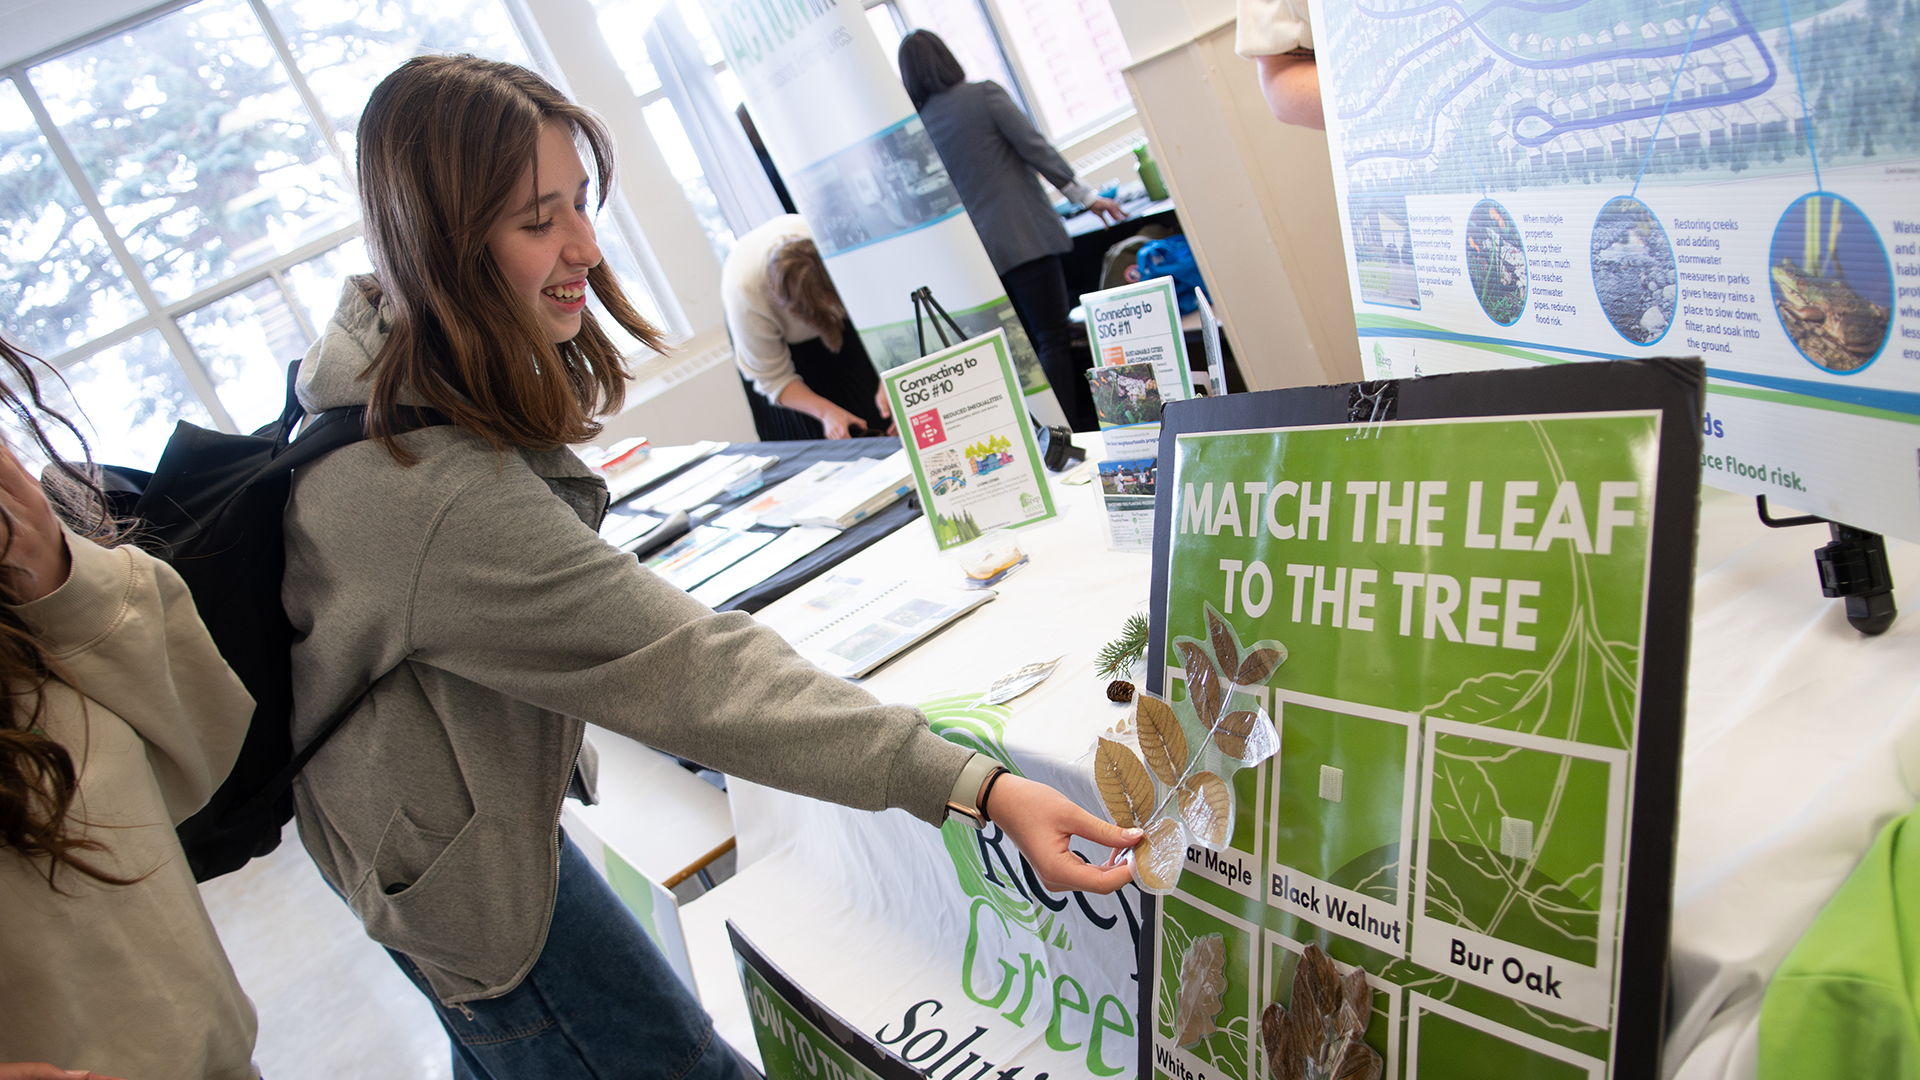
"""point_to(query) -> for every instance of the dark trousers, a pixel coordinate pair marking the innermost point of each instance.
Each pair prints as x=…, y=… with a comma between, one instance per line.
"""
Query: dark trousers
x=1038, y=290
x=600, y=1002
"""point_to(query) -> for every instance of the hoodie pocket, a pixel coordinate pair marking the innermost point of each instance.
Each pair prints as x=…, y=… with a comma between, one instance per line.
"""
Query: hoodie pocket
x=406, y=854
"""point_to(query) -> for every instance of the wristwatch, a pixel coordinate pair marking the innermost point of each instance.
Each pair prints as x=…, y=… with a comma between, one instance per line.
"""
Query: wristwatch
x=964, y=803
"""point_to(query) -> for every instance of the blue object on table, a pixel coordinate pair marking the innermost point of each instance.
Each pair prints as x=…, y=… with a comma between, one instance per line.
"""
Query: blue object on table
x=1172, y=258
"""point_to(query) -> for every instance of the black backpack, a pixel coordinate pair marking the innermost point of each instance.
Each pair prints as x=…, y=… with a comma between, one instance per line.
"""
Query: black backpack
x=212, y=510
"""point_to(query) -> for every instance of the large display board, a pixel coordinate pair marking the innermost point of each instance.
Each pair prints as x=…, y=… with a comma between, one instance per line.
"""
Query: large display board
x=1528, y=183
x=865, y=175
x=1479, y=585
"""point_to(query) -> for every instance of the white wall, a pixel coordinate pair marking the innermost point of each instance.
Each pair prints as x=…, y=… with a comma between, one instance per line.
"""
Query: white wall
x=1255, y=196
x=1151, y=27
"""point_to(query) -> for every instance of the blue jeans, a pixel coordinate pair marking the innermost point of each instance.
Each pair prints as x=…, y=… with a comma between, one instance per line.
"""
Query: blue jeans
x=599, y=1002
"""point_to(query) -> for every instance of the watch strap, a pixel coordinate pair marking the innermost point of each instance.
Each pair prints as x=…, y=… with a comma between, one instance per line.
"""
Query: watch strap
x=963, y=802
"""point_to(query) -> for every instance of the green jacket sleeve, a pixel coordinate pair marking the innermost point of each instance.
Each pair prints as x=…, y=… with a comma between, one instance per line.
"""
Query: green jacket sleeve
x=1843, y=1002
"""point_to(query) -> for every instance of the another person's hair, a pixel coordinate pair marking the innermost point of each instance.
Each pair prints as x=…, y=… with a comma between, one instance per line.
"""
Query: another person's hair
x=38, y=779
x=927, y=66
x=443, y=144
x=797, y=279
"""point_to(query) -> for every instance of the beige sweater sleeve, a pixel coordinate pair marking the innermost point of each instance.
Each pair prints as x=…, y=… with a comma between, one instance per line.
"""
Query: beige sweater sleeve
x=573, y=626
x=124, y=632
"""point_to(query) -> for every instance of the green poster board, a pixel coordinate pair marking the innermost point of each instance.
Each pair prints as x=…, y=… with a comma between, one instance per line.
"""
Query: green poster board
x=965, y=427
x=1481, y=583
x=800, y=1038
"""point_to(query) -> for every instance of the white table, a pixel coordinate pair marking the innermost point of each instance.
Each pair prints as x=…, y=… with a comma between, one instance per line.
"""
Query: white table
x=1803, y=740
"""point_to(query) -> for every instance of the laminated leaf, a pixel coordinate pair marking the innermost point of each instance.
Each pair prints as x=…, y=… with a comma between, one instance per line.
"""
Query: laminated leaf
x=1158, y=858
x=1251, y=669
x=1247, y=735
x=1203, y=682
x=1322, y=1037
x=1124, y=784
x=1206, y=807
x=1226, y=643
x=1259, y=665
x=1203, y=981
x=1161, y=739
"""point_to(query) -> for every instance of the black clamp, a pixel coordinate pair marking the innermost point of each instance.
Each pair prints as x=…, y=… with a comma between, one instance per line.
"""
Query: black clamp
x=1852, y=566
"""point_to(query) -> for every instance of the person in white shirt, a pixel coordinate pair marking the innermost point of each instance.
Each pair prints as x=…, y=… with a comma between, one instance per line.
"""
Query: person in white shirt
x=791, y=336
x=1277, y=35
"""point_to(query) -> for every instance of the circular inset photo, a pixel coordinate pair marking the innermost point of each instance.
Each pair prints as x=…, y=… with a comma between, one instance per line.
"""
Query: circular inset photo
x=1634, y=271
x=1496, y=262
x=1832, y=284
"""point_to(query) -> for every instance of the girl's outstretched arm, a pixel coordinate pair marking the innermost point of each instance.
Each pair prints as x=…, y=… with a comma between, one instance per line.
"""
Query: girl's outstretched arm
x=1041, y=821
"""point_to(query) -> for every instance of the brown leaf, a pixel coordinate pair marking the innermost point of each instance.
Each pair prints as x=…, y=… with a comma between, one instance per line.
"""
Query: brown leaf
x=1259, y=666
x=1226, y=643
x=1273, y=1021
x=1203, y=979
x=1323, y=1034
x=1231, y=733
x=1162, y=741
x=1205, y=805
x=1203, y=682
x=1247, y=736
x=1124, y=784
x=1158, y=858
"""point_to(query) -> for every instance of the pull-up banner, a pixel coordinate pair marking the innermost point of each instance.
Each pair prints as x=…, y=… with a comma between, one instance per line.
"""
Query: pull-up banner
x=865, y=175
x=1471, y=595
x=1733, y=179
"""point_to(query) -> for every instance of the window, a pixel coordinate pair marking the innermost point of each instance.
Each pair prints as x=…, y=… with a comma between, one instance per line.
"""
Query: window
x=633, y=22
x=177, y=214
x=1071, y=53
x=1060, y=59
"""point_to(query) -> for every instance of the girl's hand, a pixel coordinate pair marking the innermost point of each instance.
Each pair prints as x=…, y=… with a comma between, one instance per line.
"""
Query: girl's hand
x=36, y=561
x=1040, y=821
x=886, y=409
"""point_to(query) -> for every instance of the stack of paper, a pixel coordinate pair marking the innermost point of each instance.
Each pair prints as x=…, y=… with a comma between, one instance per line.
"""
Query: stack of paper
x=703, y=483
x=660, y=461
x=775, y=507
x=860, y=491
x=705, y=552
x=851, y=624
x=829, y=494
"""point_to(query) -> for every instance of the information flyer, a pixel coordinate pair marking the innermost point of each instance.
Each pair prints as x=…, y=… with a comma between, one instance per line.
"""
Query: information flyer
x=1737, y=180
x=1459, y=609
x=1140, y=323
x=965, y=425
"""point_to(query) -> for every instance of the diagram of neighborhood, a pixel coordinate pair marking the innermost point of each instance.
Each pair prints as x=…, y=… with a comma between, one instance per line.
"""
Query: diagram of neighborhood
x=1548, y=94
x=989, y=454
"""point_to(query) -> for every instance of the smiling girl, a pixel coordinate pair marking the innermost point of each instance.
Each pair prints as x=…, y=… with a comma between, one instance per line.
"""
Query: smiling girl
x=453, y=596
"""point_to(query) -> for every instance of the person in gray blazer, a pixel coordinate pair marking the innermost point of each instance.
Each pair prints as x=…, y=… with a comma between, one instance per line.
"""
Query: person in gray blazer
x=993, y=153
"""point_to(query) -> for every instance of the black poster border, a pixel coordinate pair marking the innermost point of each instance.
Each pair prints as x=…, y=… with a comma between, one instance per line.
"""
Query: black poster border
x=857, y=1044
x=1677, y=388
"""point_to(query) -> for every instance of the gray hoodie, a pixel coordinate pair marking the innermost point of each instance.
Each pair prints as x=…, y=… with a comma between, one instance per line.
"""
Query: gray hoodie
x=473, y=593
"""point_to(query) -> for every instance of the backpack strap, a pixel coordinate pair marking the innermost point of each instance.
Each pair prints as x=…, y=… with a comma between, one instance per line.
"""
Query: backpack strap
x=331, y=430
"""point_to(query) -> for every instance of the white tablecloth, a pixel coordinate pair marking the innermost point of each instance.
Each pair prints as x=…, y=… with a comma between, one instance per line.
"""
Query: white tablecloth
x=1803, y=740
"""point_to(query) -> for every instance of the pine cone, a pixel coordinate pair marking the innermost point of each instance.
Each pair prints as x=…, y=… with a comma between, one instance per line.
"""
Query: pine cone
x=1120, y=690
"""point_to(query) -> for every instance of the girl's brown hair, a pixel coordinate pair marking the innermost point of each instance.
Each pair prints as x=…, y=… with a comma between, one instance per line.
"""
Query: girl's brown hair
x=798, y=282
x=38, y=779
x=443, y=144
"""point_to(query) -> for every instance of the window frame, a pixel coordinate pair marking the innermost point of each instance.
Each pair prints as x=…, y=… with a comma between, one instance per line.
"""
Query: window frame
x=164, y=317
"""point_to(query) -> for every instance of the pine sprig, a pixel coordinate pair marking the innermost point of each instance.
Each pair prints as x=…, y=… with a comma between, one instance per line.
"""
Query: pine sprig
x=1118, y=655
